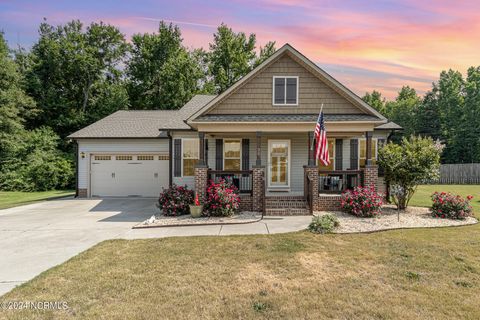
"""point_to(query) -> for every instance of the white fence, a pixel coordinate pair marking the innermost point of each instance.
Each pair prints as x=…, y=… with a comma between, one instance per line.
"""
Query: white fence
x=465, y=173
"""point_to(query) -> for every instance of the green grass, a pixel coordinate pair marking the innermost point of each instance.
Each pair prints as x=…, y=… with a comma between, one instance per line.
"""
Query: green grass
x=10, y=199
x=422, y=197
x=400, y=274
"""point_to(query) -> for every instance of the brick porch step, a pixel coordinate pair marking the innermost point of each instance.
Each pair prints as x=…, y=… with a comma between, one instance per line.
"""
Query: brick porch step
x=287, y=212
x=286, y=206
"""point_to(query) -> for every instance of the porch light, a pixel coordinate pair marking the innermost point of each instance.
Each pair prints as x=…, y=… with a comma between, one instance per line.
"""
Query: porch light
x=82, y=154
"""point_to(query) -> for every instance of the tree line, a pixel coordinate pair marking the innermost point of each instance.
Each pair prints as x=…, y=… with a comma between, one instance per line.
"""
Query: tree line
x=74, y=75
x=449, y=113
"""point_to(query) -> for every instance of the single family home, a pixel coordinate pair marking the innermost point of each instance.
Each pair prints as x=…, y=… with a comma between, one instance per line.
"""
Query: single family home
x=258, y=134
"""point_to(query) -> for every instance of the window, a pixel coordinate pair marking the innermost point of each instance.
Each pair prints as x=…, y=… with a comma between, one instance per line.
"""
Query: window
x=285, y=91
x=124, y=157
x=331, y=153
x=144, y=157
x=363, y=152
x=190, y=156
x=164, y=157
x=232, y=154
x=102, y=158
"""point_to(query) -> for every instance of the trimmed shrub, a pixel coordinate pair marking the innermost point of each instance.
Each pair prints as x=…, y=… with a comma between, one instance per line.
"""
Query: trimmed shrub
x=323, y=224
x=362, y=202
x=450, y=206
x=175, y=200
x=221, y=200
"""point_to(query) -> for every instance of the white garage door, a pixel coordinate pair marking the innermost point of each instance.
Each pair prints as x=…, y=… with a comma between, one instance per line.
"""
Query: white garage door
x=127, y=175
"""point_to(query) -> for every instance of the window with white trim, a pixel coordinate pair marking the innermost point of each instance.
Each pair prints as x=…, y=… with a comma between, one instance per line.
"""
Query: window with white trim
x=285, y=91
x=190, y=156
x=331, y=154
x=362, y=154
x=232, y=154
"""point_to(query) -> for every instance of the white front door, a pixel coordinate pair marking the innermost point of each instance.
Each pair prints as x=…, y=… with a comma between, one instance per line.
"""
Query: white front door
x=279, y=163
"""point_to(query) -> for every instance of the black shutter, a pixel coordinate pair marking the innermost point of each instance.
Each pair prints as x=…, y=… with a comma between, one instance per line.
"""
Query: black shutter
x=245, y=154
x=354, y=154
x=206, y=152
x=338, y=154
x=219, y=154
x=177, y=157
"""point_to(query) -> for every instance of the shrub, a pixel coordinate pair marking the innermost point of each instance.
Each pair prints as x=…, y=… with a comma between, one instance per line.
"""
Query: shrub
x=447, y=205
x=221, y=200
x=323, y=224
x=362, y=202
x=175, y=200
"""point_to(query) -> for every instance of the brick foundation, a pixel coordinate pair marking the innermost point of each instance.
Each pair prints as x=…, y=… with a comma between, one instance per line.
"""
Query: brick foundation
x=312, y=172
x=82, y=193
x=246, y=202
x=329, y=202
x=258, y=186
x=371, y=176
x=201, y=177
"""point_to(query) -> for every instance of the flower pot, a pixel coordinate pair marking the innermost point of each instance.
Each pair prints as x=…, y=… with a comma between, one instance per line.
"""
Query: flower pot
x=196, y=211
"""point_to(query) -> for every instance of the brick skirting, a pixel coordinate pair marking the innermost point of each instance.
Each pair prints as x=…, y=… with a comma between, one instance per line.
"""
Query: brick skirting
x=329, y=202
x=246, y=202
x=82, y=193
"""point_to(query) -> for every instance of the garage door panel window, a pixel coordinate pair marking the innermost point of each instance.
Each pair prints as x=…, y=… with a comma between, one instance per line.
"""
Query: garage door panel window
x=124, y=158
x=232, y=154
x=190, y=155
x=102, y=157
x=144, y=157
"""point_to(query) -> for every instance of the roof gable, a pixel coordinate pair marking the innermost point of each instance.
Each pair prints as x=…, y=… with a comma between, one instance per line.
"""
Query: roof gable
x=253, y=93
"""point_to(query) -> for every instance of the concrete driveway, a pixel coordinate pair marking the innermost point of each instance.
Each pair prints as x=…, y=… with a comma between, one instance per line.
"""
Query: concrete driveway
x=36, y=237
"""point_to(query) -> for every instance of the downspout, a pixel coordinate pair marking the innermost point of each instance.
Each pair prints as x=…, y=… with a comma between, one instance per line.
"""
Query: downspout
x=76, y=168
x=170, y=158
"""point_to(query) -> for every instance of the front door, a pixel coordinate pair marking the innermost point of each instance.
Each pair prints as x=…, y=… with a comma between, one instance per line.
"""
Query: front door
x=279, y=163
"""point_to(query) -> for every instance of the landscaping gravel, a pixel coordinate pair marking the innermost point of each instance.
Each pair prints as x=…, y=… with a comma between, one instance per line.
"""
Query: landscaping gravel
x=186, y=220
x=413, y=217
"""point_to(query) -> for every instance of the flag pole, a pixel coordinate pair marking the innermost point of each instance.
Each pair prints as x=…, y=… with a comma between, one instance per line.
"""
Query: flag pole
x=313, y=140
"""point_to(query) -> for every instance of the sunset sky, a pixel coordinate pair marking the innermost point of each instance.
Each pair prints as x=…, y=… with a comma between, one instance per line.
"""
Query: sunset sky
x=366, y=45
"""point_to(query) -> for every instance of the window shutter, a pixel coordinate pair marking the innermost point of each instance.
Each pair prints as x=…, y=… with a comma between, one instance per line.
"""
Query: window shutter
x=206, y=152
x=245, y=154
x=338, y=154
x=177, y=157
x=219, y=154
x=354, y=154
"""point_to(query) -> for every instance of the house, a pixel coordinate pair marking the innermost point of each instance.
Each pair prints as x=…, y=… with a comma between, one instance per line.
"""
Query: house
x=258, y=134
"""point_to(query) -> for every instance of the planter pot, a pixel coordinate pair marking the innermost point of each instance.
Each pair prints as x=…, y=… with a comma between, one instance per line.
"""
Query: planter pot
x=196, y=211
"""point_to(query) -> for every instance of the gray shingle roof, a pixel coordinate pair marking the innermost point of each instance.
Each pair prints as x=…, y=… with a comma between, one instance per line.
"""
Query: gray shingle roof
x=142, y=123
x=389, y=126
x=283, y=117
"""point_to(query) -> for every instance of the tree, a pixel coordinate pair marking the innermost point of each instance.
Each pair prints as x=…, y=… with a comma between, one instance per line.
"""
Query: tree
x=408, y=164
x=163, y=74
x=404, y=110
x=67, y=64
x=375, y=100
x=265, y=52
x=428, y=116
x=472, y=115
x=232, y=56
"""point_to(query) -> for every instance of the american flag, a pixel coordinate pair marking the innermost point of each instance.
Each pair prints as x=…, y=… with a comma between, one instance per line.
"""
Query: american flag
x=321, y=150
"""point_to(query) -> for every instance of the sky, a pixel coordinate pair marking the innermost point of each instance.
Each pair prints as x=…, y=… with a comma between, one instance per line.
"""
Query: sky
x=366, y=45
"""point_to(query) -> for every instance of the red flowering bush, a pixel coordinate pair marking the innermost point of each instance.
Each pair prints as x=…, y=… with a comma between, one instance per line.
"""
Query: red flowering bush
x=450, y=206
x=221, y=199
x=362, y=202
x=175, y=200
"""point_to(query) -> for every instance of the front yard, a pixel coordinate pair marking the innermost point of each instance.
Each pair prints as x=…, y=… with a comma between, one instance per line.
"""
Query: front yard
x=408, y=274
x=10, y=199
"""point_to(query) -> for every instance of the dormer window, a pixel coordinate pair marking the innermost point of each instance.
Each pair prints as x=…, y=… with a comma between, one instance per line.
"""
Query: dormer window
x=285, y=91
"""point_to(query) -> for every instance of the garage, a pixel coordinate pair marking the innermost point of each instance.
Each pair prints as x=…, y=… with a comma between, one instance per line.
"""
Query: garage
x=128, y=175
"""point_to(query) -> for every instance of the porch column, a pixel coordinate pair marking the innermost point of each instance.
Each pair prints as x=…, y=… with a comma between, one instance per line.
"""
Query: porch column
x=312, y=173
x=201, y=136
x=368, y=146
x=258, y=188
x=258, y=162
x=311, y=160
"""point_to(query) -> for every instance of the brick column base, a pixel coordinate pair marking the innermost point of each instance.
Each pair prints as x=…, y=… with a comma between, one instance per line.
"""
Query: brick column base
x=370, y=177
x=82, y=193
x=201, y=178
x=258, y=188
x=312, y=172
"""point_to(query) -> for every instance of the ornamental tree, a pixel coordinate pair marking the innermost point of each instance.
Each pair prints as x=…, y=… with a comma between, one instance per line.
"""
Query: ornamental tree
x=407, y=164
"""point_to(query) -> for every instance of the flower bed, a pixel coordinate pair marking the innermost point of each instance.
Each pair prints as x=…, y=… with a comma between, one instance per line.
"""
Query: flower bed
x=362, y=202
x=450, y=206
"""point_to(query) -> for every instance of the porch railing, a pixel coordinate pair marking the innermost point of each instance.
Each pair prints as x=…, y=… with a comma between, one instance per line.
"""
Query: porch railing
x=242, y=179
x=339, y=181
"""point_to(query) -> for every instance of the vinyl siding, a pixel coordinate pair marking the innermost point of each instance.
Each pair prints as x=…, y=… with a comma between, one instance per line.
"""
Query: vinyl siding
x=92, y=146
x=255, y=96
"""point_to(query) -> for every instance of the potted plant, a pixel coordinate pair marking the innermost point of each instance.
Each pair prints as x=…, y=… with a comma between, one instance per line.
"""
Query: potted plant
x=196, y=209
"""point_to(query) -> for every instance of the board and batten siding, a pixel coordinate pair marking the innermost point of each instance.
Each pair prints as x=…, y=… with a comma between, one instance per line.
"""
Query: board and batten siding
x=255, y=96
x=112, y=146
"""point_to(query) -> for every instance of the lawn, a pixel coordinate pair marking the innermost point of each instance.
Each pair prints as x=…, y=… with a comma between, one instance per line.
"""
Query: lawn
x=406, y=274
x=10, y=199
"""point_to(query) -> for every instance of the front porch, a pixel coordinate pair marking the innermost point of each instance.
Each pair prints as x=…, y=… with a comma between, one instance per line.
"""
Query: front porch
x=276, y=173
